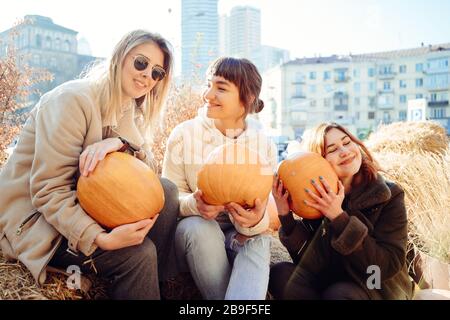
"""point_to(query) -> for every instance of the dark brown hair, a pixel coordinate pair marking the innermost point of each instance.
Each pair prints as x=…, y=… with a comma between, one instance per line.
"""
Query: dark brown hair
x=314, y=141
x=245, y=76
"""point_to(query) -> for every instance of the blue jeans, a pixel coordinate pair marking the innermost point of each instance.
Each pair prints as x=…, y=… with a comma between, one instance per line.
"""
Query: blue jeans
x=221, y=267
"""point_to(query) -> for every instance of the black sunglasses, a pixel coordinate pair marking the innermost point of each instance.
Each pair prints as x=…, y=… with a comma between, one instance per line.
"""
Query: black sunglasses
x=141, y=63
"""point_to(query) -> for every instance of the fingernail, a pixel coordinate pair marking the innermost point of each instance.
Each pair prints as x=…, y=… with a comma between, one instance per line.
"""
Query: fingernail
x=320, y=177
x=304, y=201
x=312, y=181
x=306, y=190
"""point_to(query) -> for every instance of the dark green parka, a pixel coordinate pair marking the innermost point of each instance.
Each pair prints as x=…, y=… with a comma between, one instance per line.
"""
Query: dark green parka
x=372, y=231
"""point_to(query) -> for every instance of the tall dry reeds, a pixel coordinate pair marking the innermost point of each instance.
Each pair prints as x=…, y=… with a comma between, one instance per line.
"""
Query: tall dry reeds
x=416, y=156
x=425, y=178
x=182, y=104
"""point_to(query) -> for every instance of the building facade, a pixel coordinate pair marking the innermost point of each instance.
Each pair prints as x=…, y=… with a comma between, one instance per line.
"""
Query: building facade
x=199, y=36
x=47, y=46
x=358, y=91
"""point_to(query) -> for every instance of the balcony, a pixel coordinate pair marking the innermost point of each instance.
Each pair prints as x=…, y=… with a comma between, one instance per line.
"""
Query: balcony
x=298, y=96
x=341, y=107
x=387, y=75
x=340, y=79
x=386, y=90
x=442, y=103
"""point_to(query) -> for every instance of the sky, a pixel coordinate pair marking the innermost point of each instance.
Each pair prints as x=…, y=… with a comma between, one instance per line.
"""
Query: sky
x=304, y=27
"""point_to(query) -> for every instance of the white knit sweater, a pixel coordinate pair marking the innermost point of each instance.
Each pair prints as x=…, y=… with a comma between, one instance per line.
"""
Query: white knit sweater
x=188, y=147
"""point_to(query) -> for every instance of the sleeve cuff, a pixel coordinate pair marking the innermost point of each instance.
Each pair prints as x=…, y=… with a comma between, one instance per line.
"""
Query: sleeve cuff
x=259, y=228
x=351, y=237
x=87, y=242
x=339, y=223
x=288, y=223
x=188, y=205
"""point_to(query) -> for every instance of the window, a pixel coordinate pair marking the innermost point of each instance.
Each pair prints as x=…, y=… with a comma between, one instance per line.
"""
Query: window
x=48, y=43
x=312, y=75
x=356, y=73
x=327, y=102
x=419, y=67
x=386, y=85
x=438, y=113
x=38, y=41
x=402, y=84
x=357, y=101
x=419, y=83
x=371, y=115
x=402, y=68
x=419, y=96
x=372, y=86
x=386, y=69
x=357, y=87
x=298, y=91
x=403, y=98
x=313, y=103
x=371, y=72
x=66, y=45
x=312, y=88
x=326, y=75
x=372, y=102
x=402, y=115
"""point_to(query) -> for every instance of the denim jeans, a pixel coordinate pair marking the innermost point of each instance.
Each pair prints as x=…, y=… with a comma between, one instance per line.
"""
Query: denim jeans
x=221, y=267
x=134, y=272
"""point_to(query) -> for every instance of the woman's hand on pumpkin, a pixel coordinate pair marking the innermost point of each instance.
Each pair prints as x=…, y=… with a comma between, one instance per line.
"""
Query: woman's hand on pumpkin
x=96, y=152
x=250, y=217
x=328, y=203
x=280, y=197
x=208, y=212
x=125, y=235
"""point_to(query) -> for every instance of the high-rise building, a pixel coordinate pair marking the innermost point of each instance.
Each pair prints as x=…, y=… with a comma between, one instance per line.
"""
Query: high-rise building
x=199, y=36
x=48, y=46
x=245, y=31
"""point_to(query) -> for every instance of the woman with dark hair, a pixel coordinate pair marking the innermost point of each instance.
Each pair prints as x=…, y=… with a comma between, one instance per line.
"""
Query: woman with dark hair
x=71, y=129
x=358, y=250
x=207, y=233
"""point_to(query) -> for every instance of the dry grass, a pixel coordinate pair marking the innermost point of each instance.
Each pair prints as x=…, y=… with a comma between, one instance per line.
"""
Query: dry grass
x=425, y=177
x=182, y=105
x=409, y=137
x=16, y=283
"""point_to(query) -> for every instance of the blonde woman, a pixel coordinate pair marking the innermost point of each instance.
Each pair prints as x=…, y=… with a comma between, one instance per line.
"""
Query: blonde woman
x=68, y=133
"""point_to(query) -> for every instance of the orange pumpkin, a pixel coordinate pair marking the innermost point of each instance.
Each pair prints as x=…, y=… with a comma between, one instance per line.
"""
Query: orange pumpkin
x=120, y=190
x=296, y=173
x=274, y=220
x=235, y=173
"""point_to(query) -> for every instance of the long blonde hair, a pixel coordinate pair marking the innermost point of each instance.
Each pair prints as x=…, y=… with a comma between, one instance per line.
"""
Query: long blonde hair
x=108, y=78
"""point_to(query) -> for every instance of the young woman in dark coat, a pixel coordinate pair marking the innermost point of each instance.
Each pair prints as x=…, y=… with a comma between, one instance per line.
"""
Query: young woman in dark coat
x=358, y=249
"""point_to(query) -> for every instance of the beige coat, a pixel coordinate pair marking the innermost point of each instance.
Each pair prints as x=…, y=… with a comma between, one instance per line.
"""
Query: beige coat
x=38, y=203
x=189, y=145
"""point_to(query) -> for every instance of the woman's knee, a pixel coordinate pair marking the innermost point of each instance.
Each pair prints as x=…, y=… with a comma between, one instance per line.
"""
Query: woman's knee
x=279, y=277
x=344, y=291
x=170, y=189
x=196, y=230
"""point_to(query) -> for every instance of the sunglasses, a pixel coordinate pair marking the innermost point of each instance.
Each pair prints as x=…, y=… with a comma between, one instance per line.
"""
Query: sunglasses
x=141, y=63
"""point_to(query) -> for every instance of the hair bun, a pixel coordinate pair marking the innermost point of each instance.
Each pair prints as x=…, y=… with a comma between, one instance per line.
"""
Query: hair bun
x=260, y=106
